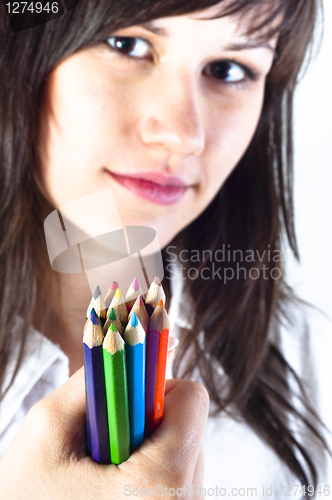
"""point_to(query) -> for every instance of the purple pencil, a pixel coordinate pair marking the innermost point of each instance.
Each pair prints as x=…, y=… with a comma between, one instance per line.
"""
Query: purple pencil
x=95, y=391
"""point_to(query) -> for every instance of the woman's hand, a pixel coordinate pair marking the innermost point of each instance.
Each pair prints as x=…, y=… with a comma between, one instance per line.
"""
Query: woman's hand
x=47, y=458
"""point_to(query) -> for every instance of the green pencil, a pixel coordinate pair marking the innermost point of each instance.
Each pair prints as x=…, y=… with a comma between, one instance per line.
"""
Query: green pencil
x=116, y=395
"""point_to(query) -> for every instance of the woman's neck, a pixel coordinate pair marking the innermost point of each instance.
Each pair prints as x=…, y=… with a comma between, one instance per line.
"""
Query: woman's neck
x=67, y=317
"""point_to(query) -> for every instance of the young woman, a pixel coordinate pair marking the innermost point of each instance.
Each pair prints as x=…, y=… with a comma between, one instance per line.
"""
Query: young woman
x=184, y=110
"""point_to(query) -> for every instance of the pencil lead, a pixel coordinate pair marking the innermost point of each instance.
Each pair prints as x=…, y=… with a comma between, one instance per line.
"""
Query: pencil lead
x=112, y=327
x=93, y=317
x=160, y=303
x=139, y=300
x=135, y=284
x=157, y=281
x=112, y=315
x=114, y=285
x=118, y=293
x=134, y=320
x=97, y=293
x=93, y=313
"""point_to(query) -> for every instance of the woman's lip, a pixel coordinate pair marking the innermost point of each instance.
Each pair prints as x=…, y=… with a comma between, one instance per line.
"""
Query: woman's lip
x=156, y=178
x=163, y=194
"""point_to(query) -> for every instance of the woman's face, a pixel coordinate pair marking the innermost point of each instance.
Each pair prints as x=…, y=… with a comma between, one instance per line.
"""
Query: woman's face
x=160, y=113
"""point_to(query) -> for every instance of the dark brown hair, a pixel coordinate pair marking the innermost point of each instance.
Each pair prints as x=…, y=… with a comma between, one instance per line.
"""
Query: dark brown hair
x=252, y=210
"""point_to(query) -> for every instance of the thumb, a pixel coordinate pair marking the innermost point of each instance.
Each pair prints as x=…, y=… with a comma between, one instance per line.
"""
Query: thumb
x=178, y=439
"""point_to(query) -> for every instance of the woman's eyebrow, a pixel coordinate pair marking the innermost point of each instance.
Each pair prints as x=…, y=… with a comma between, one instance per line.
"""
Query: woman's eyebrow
x=236, y=46
x=250, y=44
x=149, y=26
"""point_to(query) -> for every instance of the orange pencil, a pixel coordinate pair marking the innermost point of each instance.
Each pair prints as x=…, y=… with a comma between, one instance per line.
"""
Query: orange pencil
x=157, y=348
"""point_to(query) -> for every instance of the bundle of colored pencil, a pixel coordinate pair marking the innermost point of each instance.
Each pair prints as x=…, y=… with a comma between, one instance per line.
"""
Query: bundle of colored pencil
x=125, y=344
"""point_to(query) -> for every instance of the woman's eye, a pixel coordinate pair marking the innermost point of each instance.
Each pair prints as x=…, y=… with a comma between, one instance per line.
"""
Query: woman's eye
x=134, y=47
x=228, y=72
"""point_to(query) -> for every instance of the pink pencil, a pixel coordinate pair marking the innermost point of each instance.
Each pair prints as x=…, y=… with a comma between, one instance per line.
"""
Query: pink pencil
x=133, y=291
x=140, y=311
x=111, y=293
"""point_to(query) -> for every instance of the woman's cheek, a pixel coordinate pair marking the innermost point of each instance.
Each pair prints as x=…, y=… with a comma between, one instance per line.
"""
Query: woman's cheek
x=230, y=130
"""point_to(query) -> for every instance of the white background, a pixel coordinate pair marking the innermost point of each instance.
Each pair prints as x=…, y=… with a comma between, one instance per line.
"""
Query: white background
x=312, y=279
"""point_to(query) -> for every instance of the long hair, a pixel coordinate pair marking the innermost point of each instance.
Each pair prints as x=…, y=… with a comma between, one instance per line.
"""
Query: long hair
x=252, y=210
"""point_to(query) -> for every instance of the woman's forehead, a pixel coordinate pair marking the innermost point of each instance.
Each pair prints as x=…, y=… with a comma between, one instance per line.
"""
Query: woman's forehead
x=251, y=18
x=260, y=18
x=210, y=23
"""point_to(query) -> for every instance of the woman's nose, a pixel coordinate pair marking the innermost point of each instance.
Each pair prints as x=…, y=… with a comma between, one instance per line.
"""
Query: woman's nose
x=171, y=118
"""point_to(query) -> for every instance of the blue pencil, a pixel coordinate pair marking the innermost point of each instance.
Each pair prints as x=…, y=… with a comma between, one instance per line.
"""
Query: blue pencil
x=134, y=336
x=97, y=425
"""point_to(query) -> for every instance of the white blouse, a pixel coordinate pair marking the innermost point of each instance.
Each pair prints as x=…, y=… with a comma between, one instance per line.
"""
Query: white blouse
x=237, y=461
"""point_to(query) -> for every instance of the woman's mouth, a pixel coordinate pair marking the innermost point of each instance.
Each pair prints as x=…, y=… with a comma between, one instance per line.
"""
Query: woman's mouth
x=153, y=186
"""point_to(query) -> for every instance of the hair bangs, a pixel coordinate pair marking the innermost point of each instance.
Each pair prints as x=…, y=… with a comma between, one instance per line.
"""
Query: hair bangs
x=96, y=19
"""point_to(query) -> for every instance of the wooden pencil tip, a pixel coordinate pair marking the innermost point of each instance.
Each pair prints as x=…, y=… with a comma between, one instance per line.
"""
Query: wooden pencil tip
x=114, y=285
x=135, y=284
x=113, y=341
x=118, y=293
x=157, y=281
x=97, y=293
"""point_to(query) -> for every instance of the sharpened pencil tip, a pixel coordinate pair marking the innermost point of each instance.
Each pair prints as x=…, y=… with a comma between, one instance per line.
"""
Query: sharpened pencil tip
x=113, y=341
x=157, y=281
x=93, y=317
x=114, y=285
x=118, y=293
x=135, y=284
x=134, y=320
x=139, y=300
x=112, y=315
x=160, y=303
x=112, y=327
x=97, y=293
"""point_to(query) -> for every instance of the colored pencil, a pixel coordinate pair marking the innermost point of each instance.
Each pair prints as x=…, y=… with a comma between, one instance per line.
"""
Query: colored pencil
x=90, y=306
x=134, y=336
x=153, y=296
x=157, y=348
x=97, y=302
x=97, y=425
x=119, y=307
x=110, y=293
x=133, y=292
x=88, y=433
x=112, y=318
x=141, y=313
x=117, y=395
x=88, y=319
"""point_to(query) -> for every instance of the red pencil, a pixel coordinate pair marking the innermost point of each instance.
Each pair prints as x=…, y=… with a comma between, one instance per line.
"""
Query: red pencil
x=157, y=348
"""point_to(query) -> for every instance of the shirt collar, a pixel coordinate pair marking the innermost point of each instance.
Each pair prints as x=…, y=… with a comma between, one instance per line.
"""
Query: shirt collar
x=40, y=354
